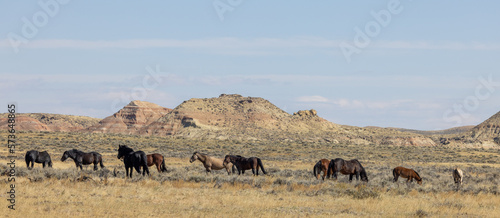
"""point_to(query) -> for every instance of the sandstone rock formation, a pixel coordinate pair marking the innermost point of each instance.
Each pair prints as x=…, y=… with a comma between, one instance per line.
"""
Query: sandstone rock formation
x=130, y=119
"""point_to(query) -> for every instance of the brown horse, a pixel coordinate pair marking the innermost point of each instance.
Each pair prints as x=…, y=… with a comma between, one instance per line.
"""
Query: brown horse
x=243, y=164
x=410, y=174
x=157, y=159
x=351, y=168
x=321, y=166
x=211, y=163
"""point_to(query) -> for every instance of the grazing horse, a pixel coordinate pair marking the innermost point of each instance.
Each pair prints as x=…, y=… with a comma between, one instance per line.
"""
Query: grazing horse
x=351, y=168
x=321, y=166
x=135, y=159
x=211, y=163
x=82, y=158
x=243, y=164
x=410, y=174
x=158, y=160
x=458, y=176
x=34, y=156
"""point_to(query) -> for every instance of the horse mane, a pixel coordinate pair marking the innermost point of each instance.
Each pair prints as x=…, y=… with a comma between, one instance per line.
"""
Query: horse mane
x=128, y=149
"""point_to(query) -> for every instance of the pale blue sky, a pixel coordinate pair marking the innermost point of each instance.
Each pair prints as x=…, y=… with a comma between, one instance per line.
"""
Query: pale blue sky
x=421, y=68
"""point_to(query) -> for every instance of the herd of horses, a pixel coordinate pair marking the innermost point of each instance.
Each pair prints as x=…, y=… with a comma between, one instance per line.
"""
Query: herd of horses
x=231, y=163
x=354, y=168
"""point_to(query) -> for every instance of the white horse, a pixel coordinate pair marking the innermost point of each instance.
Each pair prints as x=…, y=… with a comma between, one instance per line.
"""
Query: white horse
x=458, y=176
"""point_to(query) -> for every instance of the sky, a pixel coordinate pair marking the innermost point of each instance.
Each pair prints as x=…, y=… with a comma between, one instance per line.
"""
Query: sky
x=423, y=65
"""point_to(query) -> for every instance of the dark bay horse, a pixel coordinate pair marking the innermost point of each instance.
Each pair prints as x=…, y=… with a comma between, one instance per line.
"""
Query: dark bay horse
x=351, y=168
x=243, y=164
x=410, y=174
x=82, y=158
x=212, y=163
x=321, y=166
x=133, y=159
x=157, y=160
x=34, y=156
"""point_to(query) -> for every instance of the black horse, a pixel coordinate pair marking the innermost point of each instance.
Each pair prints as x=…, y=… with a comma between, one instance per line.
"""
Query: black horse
x=351, y=168
x=34, y=156
x=82, y=158
x=135, y=159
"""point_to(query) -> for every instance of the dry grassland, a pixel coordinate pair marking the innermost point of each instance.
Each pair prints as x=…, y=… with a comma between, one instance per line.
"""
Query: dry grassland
x=289, y=189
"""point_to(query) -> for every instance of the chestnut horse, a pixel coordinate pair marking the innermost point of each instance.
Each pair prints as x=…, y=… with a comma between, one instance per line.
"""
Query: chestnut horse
x=352, y=168
x=243, y=164
x=157, y=160
x=211, y=163
x=410, y=174
x=321, y=166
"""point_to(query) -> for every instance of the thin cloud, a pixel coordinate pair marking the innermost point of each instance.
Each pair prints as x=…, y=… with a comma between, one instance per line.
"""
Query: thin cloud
x=231, y=45
x=315, y=99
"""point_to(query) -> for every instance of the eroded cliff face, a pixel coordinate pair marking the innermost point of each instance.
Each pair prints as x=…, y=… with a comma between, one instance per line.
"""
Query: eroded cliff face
x=130, y=119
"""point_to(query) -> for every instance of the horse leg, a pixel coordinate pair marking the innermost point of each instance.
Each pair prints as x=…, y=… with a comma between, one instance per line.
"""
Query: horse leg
x=357, y=175
x=32, y=163
x=350, y=177
x=158, y=167
x=95, y=166
x=43, y=164
x=145, y=169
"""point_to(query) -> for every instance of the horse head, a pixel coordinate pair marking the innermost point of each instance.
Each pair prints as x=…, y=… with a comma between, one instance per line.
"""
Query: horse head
x=227, y=160
x=363, y=175
x=194, y=157
x=65, y=156
x=123, y=150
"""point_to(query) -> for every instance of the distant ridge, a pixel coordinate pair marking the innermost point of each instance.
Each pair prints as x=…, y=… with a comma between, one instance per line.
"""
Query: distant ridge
x=234, y=117
x=49, y=122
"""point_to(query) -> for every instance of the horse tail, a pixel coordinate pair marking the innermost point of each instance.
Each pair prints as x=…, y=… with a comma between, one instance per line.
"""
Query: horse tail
x=100, y=162
x=163, y=167
x=26, y=158
x=261, y=166
x=145, y=163
x=314, y=169
x=330, y=169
